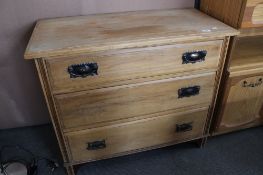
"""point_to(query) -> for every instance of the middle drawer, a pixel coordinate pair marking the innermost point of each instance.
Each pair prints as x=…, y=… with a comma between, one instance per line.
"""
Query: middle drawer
x=123, y=102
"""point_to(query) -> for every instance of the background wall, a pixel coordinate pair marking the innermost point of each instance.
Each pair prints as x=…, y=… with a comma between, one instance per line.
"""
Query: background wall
x=21, y=99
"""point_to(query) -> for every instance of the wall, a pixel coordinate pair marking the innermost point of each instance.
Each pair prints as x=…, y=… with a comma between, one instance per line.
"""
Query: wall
x=21, y=99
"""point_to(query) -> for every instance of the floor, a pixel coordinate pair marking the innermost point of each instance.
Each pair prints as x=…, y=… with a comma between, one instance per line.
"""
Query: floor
x=239, y=153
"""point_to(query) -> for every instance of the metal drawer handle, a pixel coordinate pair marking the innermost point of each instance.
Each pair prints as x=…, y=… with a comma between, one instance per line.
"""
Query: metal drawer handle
x=193, y=57
x=258, y=83
x=83, y=70
x=101, y=144
x=188, y=91
x=184, y=127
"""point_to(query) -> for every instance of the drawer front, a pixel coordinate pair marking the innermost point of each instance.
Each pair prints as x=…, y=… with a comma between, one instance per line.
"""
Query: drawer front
x=253, y=15
x=109, y=104
x=127, y=66
x=244, y=101
x=108, y=141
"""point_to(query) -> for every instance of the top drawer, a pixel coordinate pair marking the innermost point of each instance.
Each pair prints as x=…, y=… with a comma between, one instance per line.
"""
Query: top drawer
x=253, y=14
x=107, y=69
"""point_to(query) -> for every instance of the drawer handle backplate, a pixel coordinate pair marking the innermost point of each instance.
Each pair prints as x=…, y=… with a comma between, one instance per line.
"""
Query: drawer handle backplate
x=101, y=144
x=83, y=70
x=184, y=127
x=193, y=57
x=258, y=83
x=188, y=91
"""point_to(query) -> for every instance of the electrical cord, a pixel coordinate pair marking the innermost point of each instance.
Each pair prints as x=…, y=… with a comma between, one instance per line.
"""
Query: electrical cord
x=31, y=165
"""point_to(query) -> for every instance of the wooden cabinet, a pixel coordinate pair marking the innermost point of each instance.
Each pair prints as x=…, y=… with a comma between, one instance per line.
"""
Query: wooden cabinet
x=236, y=13
x=121, y=83
x=243, y=88
x=241, y=103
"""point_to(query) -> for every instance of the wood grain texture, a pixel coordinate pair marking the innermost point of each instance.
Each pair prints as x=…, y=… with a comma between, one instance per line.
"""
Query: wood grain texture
x=120, y=67
x=224, y=130
x=52, y=111
x=247, y=54
x=253, y=14
x=104, y=105
x=86, y=34
x=257, y=16
x=227, y=11
x=243, y=110
x=219, y=98
x=220, y=78
x=133, y=102
x=135, y=135
x=237, y=107
x=236, y=13
x=245, y=32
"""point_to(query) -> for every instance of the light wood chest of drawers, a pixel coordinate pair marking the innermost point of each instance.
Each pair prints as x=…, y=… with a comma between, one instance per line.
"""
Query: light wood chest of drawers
x=122, y=83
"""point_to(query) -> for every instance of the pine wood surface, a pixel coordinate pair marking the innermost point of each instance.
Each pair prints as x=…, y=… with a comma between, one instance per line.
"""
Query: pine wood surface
x=219, y=86
x=244, y=63
x=253, y=14
x=227, y=11
x=84, y=34
x=135, y=135
x=102, y=105
x=236, y=13
x=242, y=111
x=258, y=31
x=247, y=54
x=124, y=67
x=135, y=94
x=53, y=113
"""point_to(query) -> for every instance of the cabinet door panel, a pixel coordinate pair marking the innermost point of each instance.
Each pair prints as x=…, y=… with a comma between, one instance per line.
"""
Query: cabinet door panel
x=244, y=101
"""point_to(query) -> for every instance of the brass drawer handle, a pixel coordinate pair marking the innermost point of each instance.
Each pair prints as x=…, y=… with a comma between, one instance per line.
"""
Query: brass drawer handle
x=184, y=127
x=101, y=144
x=193, y=57
x=258, y=83
x=83, y=70
x=188, y=91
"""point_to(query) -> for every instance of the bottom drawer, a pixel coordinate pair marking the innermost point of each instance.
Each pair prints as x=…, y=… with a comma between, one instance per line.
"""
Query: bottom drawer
x=103, y=142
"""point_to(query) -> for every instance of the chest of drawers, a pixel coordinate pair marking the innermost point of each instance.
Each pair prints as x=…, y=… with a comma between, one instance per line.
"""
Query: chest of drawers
x=121, y=83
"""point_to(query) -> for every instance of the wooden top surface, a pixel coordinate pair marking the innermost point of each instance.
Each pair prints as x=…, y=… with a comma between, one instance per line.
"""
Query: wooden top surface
x=84, y=34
